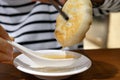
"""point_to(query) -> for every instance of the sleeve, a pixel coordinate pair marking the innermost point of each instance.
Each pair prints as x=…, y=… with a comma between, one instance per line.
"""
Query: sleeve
x=107, y=7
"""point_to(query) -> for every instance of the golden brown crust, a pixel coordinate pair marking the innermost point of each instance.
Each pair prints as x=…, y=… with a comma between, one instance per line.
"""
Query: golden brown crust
x=71, y=32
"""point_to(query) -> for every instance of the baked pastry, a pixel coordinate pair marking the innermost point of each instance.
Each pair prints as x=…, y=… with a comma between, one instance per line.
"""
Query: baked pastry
x=72, y=31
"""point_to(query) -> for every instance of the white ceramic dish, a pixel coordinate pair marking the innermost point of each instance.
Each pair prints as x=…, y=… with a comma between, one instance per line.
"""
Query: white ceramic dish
x=23, y=63
x=51, y=62
x=37, y=56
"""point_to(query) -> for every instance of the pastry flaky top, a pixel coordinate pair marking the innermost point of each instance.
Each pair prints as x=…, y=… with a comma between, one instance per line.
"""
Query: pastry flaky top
x=72, y=31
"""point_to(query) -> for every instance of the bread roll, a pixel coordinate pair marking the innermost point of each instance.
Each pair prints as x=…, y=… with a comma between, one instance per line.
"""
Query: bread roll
x=72, y=31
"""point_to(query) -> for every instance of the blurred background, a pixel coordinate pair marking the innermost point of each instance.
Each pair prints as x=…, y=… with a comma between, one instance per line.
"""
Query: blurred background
x=104, y=32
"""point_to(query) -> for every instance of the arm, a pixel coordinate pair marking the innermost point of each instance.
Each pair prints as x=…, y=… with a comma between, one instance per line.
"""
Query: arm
x=104, y=7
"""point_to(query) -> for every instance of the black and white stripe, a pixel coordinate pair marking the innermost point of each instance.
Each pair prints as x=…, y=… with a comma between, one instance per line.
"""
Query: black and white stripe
x=107, y=7
x=32, y=24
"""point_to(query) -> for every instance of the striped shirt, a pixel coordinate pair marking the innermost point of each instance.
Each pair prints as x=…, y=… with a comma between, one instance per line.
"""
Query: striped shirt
x=32, y=24
x=107, y=7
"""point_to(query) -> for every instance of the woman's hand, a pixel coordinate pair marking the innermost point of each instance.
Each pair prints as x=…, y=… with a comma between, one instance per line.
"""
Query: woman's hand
x=6, y=50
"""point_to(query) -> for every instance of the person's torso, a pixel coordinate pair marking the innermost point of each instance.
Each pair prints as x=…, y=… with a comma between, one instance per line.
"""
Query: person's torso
x=30, y=23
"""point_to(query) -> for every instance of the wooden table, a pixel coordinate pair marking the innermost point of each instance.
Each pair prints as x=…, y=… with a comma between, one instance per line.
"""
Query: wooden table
x=106, y=66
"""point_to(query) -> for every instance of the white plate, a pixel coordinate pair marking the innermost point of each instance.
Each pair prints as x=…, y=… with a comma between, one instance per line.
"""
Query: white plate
x=23, y=63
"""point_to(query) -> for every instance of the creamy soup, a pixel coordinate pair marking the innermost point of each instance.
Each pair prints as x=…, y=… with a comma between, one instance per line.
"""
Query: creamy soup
x=58, y=56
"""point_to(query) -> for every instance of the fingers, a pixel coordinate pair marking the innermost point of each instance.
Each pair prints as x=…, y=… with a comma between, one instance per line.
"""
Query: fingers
x=6, y=51
x=4, y=34
x=5, y=58
x=5, y=47
x=11, y=38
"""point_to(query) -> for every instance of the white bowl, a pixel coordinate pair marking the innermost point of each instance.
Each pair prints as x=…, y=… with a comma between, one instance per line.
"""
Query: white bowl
x=54, y=62
x=23, y=63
